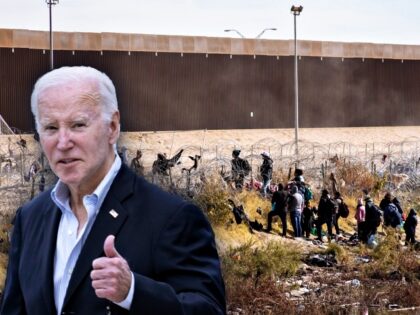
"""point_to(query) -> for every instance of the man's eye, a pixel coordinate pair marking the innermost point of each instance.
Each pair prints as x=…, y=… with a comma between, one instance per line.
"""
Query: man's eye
x=50, y=128
x=79, y=125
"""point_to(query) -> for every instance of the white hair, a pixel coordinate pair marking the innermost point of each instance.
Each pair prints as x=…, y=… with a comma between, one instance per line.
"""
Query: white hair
x=68, y=75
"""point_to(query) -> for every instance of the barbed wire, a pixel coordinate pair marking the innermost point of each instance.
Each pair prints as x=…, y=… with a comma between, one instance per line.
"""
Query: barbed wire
x=397, y=162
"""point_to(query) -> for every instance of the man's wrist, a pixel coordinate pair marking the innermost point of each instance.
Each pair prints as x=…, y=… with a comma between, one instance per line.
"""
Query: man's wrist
x=126, y=303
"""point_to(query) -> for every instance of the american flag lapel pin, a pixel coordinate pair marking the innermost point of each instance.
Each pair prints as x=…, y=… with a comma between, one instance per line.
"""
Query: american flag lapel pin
x=113, y=213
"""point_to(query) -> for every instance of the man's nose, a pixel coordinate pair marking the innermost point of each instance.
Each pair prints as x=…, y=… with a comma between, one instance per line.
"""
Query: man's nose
x=64, y=140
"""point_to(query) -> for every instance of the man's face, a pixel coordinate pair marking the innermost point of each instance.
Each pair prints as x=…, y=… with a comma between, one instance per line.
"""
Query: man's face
x=75, y=138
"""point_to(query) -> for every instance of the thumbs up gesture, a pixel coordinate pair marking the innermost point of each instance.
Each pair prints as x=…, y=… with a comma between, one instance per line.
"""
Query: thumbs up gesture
x=111, y=275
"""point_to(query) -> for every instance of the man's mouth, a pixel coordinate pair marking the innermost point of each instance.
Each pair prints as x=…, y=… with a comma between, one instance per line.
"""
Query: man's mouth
x=66, y=161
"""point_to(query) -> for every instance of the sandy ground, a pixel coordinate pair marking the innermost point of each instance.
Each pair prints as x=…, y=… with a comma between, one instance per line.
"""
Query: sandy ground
x=221, y=142
x=213, y=143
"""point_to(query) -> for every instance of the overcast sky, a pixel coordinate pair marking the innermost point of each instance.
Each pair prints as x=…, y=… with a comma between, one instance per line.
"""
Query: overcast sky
x=375, y=21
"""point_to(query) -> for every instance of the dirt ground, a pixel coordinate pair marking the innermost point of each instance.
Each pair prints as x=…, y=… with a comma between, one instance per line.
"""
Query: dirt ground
x=209, y=144
x=216, y=141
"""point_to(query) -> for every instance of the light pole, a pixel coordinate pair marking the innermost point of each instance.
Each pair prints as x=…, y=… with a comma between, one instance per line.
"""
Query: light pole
x=266, y=29
x=258, y=36
x=236, y=31
x=296, y=10
x=50, y=3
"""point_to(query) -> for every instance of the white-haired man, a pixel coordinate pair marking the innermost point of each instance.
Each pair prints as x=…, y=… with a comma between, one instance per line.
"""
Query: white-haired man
x=103, y=240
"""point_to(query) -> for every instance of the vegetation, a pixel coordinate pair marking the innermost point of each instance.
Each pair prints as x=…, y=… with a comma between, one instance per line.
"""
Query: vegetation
x=267, y=274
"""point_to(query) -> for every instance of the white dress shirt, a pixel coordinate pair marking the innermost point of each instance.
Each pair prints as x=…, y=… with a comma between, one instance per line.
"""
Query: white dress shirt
x=69, y=242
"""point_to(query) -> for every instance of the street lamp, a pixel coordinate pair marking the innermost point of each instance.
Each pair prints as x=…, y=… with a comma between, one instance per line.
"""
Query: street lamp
x=50, y=3
x=296, y=10
x=236, y=31
x=266, y=29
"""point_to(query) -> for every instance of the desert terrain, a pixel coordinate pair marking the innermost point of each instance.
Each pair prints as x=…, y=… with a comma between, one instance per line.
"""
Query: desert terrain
x=347, y=281
x=367, y=145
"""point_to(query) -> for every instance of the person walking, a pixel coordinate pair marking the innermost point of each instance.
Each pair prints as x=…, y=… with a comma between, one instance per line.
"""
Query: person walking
x=279, y=205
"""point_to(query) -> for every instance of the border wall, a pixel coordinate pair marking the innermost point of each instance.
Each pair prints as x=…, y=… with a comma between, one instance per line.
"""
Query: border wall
x=186, y=83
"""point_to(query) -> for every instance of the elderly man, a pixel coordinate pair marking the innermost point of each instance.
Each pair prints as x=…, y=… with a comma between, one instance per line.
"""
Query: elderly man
x=103, y=240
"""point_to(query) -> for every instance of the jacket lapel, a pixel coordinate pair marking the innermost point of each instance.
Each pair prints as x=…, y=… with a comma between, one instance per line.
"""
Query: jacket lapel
x=109, y=220
x=51, y=221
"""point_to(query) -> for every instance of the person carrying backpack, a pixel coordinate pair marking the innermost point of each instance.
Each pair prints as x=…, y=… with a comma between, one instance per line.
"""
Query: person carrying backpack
x=392, y=216
x=240, y=169
x=326, y=210
x=374, y=217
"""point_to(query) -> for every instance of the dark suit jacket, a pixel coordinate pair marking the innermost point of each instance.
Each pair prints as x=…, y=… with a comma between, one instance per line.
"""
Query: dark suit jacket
x=167, y=242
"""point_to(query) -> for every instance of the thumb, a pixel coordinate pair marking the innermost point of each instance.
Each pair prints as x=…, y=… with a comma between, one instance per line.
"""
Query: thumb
x=109, y=247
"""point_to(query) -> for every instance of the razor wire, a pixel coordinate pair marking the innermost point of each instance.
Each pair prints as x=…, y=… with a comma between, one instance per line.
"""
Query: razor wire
x=397, y=162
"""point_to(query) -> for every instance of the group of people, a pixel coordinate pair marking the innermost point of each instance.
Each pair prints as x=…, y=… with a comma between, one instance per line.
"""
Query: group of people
x=389, y=212
x=240, y=168
x=294, y=200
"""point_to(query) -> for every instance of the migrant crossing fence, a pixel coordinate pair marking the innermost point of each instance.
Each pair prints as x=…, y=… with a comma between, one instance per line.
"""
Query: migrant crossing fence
x=397, y=162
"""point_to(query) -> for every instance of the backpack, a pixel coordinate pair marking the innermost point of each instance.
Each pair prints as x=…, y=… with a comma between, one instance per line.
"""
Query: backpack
x=377, y=215
x=308, y=194
x=392, y=216
x=343, y=210
x=246, y=167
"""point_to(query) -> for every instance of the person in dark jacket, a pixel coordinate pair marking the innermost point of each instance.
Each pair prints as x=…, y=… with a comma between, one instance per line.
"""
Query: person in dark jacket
x=336, y=215
x=397, y=203
x=279, y=204
x=372, y=218
x=307, y=218
x=392, y=216
x=103, y=240
x=240, y=169
x=266, y=172
x=410, y=227
x=326, y=210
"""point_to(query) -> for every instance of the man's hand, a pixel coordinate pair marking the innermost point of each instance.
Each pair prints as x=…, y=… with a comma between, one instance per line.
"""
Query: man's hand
x=111, y=275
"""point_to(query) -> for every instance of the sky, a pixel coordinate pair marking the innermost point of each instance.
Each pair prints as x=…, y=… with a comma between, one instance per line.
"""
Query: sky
x=374, y=21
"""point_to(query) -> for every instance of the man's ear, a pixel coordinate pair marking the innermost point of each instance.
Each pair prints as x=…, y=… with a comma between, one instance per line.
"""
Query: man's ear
x=114, y=127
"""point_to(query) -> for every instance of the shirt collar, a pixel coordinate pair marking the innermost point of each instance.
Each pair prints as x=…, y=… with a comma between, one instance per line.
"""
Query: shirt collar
x=60, y=193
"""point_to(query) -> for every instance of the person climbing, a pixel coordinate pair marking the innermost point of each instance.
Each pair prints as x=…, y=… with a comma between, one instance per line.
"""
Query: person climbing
x=266, y=172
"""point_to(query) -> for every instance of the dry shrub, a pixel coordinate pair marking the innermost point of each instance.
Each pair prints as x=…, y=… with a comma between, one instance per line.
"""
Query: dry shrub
x=267, y=298
x=213, y=199
x=247, y=261
x=392, y=261
x=4, y=238
x=355, y=175
x=252, y=200
x=3, y=270
x=338, y=252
